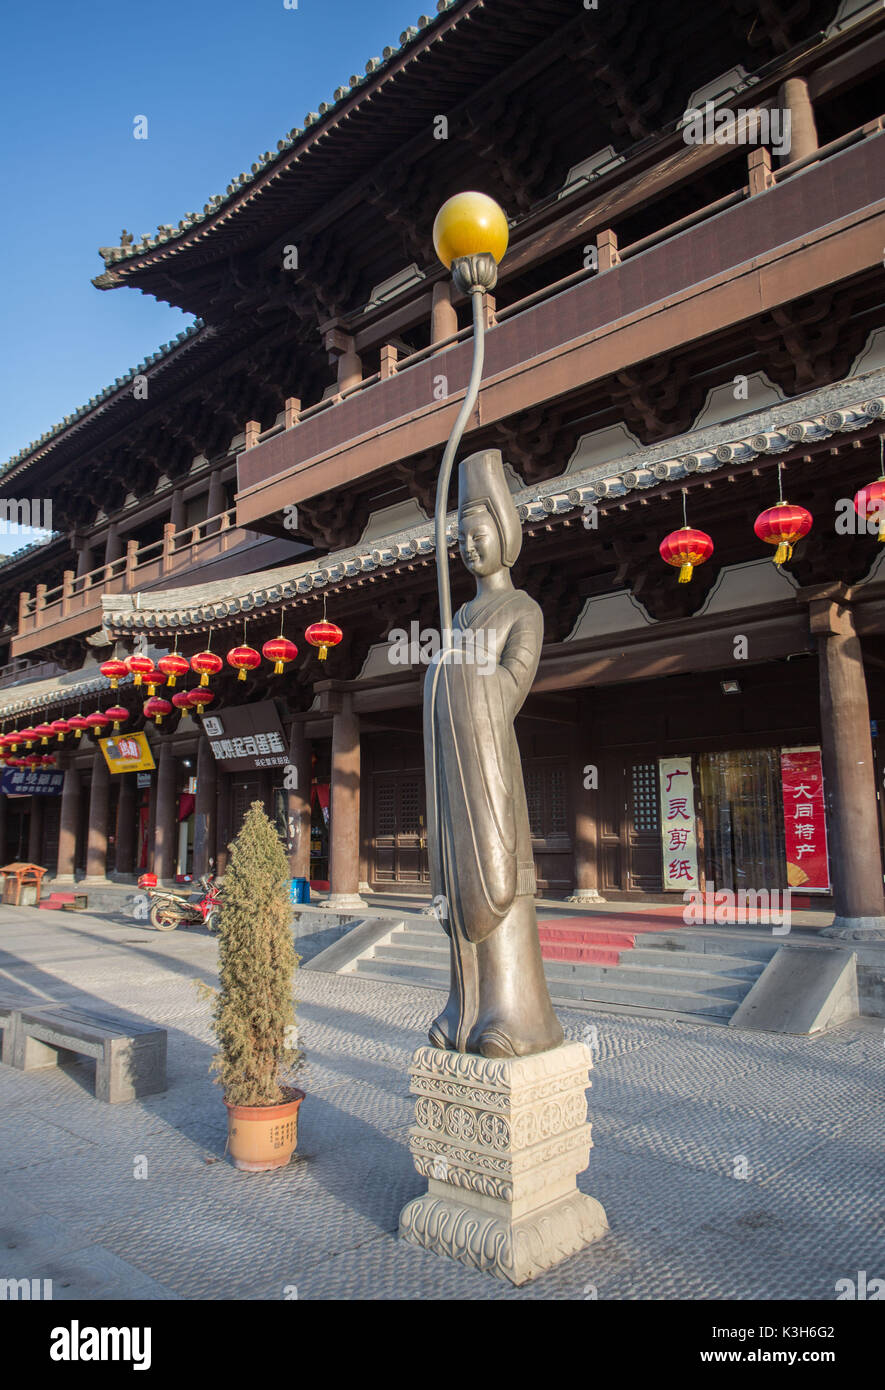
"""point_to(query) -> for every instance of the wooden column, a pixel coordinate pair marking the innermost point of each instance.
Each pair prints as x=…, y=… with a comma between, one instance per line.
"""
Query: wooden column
x=793, y=97
x=849, y=777
x=443, y=315
x=223, y=821
x=298, y=798
x=97, y=834
x=125, y=831
x=176, y=514
x=35, y=829
x=344, y=810
x=68, y=826
x=205, y=809
x=84, y=559
x=215, y=500
x=586, y=807
x=166, y=827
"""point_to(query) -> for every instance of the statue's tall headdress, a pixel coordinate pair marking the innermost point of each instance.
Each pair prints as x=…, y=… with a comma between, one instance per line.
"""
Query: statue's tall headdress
x=481, y=483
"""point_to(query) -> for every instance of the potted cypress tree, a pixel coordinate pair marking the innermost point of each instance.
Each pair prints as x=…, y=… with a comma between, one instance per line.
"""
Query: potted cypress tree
x=254, y=1015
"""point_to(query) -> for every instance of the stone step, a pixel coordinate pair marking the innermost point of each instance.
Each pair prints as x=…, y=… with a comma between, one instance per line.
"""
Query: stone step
x=638, y=998
x=695, y=982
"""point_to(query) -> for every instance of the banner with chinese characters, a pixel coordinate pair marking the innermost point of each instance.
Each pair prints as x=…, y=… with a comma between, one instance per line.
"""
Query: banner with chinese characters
x=679, y=837
x=245, y=737
x=23, y=781
x=805, y=820
x=128, y=753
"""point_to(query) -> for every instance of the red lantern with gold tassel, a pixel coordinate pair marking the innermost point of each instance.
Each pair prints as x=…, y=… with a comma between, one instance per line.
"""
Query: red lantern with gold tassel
x=60, y=727
x=172, y=667
x=243, y=658
x=156, y=708
x=78, y=724
x=114, y=671
x=279, y=650
x=782, y=525
x=323, y=635
x=686, y=548
x=870, y=501
x=198, y=699
x=97, y=721
x=142, y=668
x=206, y=664
x=45, y=733
x=119, y=714
x=181, y=700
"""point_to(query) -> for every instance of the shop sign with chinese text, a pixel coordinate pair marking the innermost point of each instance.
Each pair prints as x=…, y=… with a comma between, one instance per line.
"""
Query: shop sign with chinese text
x=243, y=737
x=805, y=820
x=679, y=839
x=128, y=753
x=23, y=781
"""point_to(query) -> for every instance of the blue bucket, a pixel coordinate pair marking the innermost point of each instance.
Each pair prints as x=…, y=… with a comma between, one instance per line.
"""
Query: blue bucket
x=299, y=891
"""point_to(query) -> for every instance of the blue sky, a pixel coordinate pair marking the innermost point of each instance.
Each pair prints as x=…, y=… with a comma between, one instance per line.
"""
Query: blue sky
x=220, y=82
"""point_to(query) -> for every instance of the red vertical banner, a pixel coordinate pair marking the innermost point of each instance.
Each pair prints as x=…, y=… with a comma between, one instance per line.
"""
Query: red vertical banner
x=805, y=820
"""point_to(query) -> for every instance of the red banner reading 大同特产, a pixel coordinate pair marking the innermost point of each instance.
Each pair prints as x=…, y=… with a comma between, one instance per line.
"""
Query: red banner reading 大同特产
x=805, y=820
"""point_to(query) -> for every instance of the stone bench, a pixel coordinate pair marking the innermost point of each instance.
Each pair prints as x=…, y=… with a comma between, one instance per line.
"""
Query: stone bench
x=130, y=1058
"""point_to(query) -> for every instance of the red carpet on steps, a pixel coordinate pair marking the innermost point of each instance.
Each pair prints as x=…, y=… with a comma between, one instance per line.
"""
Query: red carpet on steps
x=600, y=939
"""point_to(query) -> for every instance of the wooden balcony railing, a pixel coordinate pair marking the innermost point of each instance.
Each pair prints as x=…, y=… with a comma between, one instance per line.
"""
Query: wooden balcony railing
x=78, y=597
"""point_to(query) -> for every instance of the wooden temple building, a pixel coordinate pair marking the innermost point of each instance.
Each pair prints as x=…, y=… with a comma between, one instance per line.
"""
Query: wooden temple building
x=680, y=329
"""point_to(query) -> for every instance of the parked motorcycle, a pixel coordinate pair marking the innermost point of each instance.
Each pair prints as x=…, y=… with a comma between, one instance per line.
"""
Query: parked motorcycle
x=169, y=909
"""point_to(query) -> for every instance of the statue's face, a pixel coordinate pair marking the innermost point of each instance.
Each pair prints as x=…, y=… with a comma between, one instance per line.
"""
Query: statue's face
x=479, y=542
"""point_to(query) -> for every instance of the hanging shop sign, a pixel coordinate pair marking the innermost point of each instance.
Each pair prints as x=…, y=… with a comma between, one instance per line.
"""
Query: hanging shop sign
x=679, y=838
x=25, y=781
x=143, y=779
x=128, y=753
x=246, y=737
x=805, y=820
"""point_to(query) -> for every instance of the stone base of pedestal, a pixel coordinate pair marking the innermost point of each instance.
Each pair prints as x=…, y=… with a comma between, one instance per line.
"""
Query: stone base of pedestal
x=856, y=929
x=343, y=902
x=585, y=895
x=501, y=1143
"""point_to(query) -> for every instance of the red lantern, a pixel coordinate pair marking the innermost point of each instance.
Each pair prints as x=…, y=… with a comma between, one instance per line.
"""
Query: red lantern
x=119, y=715
x=243, y=659
x=198, y=699
x=48, y=760
x=97, y=721
x=686, y=548
x=279, y=650
x=114, y=671
x=60, y=727
x=181, y=700
x=142, y=668
x=155, y=708
x=45, y=732
x=783, y=526
x=29, y=735
x=78, y=724
x=323, y=635
x=206, y=664
x=870, y=504
x=173, y=666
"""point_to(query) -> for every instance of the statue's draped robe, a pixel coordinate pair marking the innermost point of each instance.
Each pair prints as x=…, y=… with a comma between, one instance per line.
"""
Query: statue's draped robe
x=477, y=794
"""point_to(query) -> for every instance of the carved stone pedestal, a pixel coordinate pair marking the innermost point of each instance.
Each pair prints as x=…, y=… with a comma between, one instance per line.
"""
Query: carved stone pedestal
x=501, y=1143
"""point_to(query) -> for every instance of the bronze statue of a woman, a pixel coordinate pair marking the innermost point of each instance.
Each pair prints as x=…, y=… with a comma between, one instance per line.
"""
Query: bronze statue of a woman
x=480, y=841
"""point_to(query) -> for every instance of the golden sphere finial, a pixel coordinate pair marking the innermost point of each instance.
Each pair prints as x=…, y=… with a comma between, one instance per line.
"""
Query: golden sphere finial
x=470, y=224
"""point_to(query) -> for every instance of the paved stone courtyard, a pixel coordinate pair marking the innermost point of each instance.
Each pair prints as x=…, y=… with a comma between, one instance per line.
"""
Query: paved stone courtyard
x=678, y=1109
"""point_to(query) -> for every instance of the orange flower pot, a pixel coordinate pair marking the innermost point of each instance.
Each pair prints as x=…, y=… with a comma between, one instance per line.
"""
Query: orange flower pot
x=263, y=1136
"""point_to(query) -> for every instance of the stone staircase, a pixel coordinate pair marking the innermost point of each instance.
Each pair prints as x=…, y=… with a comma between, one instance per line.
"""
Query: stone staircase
x=625, y=971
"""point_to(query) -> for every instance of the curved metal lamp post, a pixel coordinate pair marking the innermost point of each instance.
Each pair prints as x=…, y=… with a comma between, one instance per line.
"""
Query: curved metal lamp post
x=470, y=236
